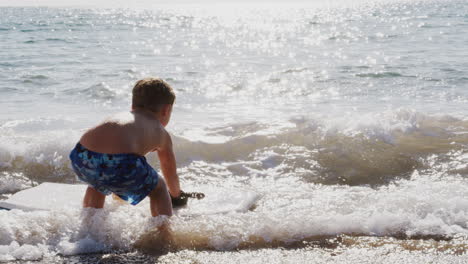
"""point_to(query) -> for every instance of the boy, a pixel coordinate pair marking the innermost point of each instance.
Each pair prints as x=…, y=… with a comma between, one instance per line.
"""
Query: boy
x=110, y=157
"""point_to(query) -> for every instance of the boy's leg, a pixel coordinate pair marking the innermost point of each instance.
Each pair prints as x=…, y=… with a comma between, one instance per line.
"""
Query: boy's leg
x=93, y=198
x=160, y=200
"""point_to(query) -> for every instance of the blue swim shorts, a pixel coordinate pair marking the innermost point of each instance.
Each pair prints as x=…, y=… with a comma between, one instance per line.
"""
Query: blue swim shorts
x=129, y=176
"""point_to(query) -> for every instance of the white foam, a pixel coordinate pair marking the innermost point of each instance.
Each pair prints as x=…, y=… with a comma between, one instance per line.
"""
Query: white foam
x=13, y=182
x=14, y=251
x=386, y=253
x=82, y=246
x=289, y=210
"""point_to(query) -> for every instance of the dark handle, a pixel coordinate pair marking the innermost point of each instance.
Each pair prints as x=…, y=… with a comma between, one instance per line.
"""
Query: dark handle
x=184, y=196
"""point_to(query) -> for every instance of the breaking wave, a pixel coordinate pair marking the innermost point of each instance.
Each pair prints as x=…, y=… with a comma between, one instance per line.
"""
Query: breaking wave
x=370, y=150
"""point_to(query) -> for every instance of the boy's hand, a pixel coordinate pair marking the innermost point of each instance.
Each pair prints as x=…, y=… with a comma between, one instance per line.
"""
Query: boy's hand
x=183, y=198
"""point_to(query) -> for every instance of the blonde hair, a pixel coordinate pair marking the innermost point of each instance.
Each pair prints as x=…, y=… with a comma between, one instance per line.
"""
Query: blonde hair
x=152, y=94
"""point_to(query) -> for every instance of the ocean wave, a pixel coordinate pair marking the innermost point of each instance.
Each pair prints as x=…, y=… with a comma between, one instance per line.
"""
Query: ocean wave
x=366, y=150
x=13, y=182
x=343, y=151
x=34, y=78
x=100, y=92
x=8, y=89
x=382, y=75
x=36, y=148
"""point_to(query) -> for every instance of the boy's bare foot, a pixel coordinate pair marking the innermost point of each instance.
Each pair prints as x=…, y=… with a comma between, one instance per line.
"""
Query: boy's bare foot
x=156, y=241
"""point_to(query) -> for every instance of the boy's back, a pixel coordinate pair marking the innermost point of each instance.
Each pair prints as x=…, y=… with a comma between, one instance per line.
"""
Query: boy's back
x=133, y=132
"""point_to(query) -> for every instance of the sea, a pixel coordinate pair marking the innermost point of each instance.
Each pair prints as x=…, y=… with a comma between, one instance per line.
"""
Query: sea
x=348, y=119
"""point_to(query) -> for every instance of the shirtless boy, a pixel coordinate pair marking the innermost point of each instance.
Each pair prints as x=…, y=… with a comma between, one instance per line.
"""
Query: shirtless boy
x=110, y=157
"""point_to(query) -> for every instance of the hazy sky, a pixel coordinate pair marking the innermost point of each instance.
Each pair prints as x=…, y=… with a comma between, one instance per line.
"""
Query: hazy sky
x=134, y=3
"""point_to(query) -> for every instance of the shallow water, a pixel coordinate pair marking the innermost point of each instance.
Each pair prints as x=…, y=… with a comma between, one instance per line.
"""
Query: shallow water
x=348, y=121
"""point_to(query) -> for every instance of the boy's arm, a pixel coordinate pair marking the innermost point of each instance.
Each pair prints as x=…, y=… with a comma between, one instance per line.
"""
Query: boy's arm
x=168, y=165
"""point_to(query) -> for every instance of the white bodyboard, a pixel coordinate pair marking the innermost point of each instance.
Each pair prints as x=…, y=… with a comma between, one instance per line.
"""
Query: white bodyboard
x=57, y=196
